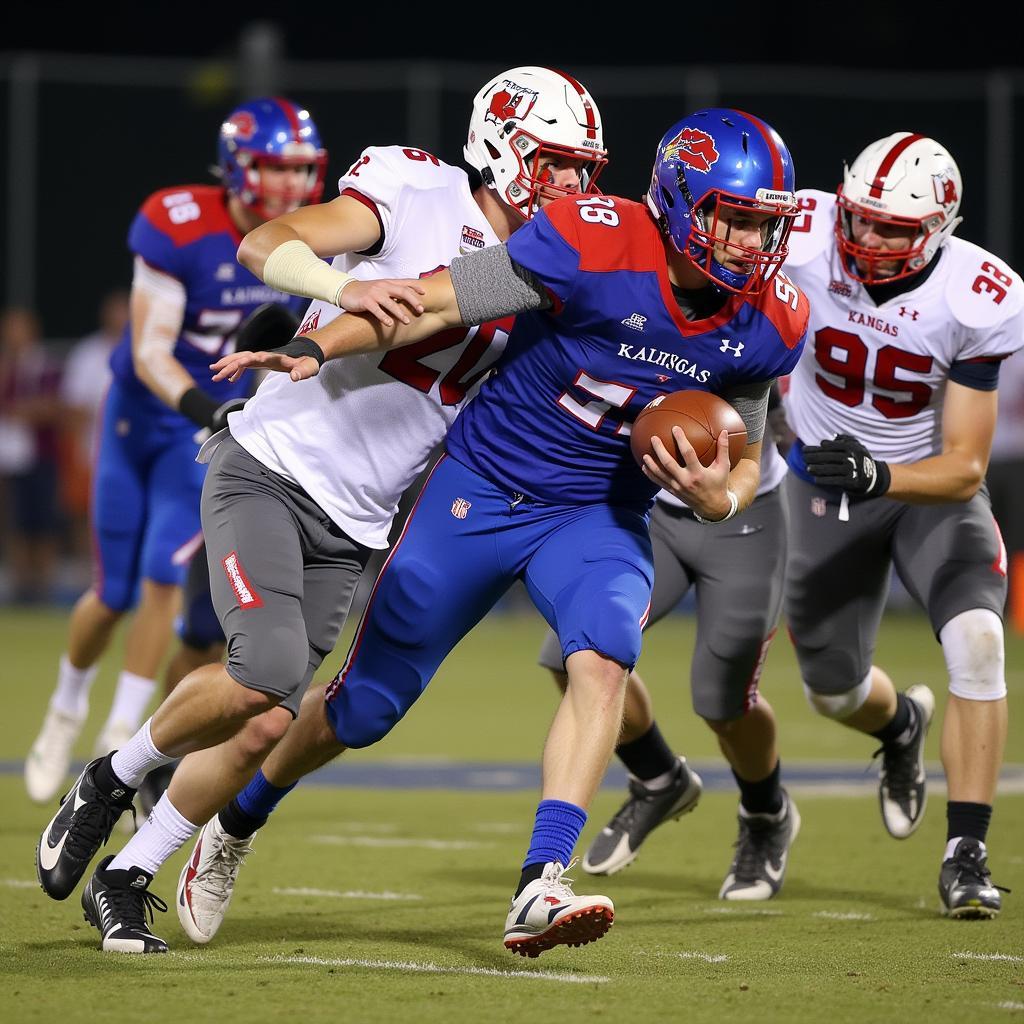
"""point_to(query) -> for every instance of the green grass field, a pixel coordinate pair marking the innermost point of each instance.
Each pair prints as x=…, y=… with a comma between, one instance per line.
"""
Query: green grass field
x=364, y=905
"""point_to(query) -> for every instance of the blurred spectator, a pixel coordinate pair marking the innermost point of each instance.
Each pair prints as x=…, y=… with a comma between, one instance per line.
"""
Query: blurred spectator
x=83, y=387
x=1006, y=480
x=29, y=415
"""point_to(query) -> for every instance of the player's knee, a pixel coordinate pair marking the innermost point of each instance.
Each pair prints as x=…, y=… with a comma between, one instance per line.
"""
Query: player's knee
x=261, y=734
x=839, y=705
x=613, y=630
x=972, y=644
x=277, y=657
x=362, y=715
x=405, y=605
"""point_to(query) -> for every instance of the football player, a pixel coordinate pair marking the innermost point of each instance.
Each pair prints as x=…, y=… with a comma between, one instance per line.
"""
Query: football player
x=894, y=406
x=737, y=571
x=538, y=482
x=188, y=298
x=305, y=483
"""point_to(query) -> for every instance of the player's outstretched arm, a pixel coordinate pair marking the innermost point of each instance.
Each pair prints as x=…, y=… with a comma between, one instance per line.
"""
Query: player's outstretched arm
x=350, y=335
x=286, y=254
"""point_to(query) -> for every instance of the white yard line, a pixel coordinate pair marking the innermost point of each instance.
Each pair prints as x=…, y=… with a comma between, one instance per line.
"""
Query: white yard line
x=409, y=966
x=350, y=894
x=708, y=958
x=744, y=912
x=417, y=844
x=19, y=883
x=837, y=915
x=988, y=956
x=1009, y=1005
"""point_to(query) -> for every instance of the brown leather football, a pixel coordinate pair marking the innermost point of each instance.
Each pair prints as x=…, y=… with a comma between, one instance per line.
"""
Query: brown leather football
x=702, y=416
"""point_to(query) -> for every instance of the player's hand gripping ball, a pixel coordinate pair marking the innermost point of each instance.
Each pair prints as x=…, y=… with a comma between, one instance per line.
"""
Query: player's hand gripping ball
x=702, y=416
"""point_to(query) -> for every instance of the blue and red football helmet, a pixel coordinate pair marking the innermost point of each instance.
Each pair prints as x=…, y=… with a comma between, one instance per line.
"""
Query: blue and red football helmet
x=710, y=165
x=271, y=130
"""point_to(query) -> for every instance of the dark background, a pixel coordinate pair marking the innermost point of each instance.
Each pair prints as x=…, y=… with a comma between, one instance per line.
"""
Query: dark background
x=128, y=100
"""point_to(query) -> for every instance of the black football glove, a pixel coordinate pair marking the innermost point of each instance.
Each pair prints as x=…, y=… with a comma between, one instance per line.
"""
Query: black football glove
x=266, y=327
x=844, y=462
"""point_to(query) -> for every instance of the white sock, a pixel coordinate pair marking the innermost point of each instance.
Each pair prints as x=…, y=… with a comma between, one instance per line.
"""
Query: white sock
x=137, y=758
x=951, y=846
x=72, y=694
x=131, y=700
x=164, y=833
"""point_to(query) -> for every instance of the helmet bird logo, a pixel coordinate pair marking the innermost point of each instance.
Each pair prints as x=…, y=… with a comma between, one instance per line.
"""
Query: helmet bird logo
x=945, y=188
x=695, y=148
x=512, y=103
x=243, y=124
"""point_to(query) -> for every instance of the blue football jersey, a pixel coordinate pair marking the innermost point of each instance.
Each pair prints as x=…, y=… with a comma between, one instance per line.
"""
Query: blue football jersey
x=187, y=232
x=553, y=422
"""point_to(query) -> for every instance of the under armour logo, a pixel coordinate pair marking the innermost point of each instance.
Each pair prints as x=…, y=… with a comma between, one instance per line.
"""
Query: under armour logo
x=734, y=349
x=461, y=507
x=912, y=313
x=635, y=321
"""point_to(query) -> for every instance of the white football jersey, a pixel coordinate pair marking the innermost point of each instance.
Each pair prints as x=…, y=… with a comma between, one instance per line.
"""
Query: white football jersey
x=357, y=435
x=880, y=372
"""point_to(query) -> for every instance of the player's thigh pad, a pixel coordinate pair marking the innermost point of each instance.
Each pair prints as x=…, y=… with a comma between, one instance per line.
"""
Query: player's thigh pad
x=172, y=524
x=592, y=580
x=119, y=504
x=739, y=595
x=951, y=558
x=199, y=626
x=837, y=582
x=973, y=646
x=443, y=576
x=255, y=554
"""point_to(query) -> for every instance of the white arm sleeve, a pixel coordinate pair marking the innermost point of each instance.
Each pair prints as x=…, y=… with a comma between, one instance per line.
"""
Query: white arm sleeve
x=165, y=300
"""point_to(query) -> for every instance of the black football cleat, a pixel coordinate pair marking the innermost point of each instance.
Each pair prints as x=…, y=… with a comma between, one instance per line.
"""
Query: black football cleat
x=81, y=826
x=965, y=885
x=116, y=902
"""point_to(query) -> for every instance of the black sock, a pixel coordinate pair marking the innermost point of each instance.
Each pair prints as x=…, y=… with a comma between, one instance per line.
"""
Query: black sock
x=649, y=756
x=237, y=822
x=967, y=819
x=108, y=783
x=530, y=873
x=764, y=797
x=900, y=723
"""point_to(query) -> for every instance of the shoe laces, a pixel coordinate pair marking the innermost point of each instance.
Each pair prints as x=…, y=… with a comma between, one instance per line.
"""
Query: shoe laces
x=639, y=794
x=91, y=826
x=753, y=846
x=132, y=906
x=58, y=734
x=972, y=868
x=228, y=855
x=557, y=880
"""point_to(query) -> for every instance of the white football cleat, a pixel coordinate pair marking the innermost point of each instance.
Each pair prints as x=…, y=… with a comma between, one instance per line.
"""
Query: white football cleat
x=49, y=760
x=548, y=913
x=207, y=881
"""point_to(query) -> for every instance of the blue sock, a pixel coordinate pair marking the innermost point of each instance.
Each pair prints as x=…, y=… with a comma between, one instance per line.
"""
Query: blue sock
x=556, y=831
x=259, y=798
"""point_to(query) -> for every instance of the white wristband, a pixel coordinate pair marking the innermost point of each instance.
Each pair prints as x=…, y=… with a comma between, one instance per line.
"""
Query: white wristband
x=294, y=268
x=734, y=504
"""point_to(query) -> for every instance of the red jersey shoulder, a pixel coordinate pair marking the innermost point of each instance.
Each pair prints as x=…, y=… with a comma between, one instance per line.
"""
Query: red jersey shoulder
x=786, y=307
x=609, y=233
x=187, y=212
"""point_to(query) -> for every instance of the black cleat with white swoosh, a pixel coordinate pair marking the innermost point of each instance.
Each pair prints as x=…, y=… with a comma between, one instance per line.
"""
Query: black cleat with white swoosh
x=116, y=902
x=81, y=826
x=762, y=852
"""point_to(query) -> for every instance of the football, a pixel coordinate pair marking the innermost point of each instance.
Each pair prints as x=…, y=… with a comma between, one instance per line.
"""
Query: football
x=702, y=416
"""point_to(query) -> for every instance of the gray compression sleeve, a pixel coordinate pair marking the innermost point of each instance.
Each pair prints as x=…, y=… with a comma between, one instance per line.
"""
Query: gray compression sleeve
x=751, y=402
x=489, y=285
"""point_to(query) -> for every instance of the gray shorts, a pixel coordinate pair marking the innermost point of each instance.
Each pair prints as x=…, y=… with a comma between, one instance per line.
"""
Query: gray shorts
x=947, y=556
x=282, y=574
x=737, y=569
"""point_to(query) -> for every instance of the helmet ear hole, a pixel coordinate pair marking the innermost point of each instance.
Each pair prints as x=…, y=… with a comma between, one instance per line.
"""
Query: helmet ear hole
x=666, y=197
x=492, y=151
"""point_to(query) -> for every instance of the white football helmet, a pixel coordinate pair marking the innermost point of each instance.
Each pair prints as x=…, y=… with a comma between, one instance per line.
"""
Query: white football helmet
x=524, y=115
x=902, y=181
